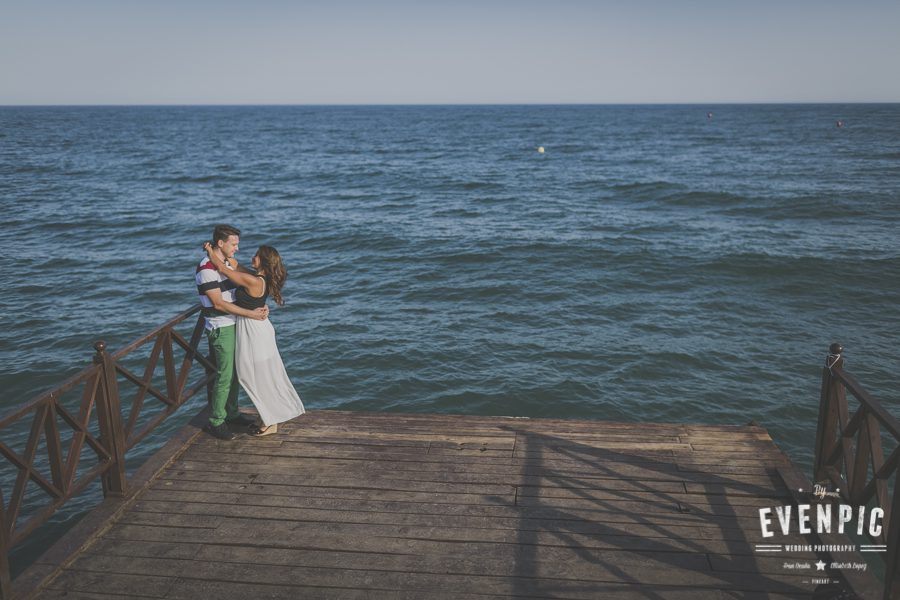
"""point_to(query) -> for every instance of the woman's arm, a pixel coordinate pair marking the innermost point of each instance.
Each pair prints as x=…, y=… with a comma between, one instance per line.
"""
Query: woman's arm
x=239, y=267
x=240, y=276
x=220, y=304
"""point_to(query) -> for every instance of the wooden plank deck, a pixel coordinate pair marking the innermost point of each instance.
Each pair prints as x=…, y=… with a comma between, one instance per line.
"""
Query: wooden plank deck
x=381, y=505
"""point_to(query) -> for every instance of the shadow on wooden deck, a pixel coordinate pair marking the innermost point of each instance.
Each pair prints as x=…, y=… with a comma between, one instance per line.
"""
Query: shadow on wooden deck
x=381, y=505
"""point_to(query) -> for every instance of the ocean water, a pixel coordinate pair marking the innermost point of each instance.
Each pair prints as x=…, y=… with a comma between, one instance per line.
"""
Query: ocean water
x=653, y=264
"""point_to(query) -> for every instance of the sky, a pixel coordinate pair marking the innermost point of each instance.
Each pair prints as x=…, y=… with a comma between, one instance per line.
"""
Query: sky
x=449, y=52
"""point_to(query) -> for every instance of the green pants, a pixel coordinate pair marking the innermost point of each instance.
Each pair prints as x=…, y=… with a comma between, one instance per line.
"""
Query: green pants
x=225, y=390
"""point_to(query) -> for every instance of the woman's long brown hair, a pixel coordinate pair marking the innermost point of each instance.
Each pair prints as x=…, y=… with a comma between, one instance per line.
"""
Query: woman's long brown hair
x=276, y=274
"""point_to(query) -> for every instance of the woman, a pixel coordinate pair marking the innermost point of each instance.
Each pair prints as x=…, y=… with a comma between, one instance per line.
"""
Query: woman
x=260, y=369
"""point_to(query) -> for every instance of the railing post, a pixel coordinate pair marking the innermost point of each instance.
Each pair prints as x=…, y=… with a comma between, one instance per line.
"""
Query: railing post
x=825, y=434
x=5, y=579
x=892, y=561
x=862, y=459
x=109, y=416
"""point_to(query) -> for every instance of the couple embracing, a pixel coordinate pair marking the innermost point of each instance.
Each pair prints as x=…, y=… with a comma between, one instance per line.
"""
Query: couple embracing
x=242, y=338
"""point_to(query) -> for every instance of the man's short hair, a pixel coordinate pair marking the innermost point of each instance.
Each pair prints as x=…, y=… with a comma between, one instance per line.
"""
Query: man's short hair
x=222, y=232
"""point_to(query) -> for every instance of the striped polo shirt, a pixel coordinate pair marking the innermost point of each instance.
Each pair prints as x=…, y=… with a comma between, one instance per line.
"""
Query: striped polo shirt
x=208, y=277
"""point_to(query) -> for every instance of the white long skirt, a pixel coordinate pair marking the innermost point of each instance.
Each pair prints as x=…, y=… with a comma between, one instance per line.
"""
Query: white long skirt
x=261, y=372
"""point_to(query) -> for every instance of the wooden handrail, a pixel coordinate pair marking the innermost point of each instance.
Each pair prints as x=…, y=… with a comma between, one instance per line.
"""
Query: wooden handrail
x=101, y=404
x=887, y=420
x=849, y=448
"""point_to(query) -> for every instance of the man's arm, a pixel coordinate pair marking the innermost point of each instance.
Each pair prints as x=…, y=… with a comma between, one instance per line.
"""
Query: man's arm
x=239, y=275
x=220, y=304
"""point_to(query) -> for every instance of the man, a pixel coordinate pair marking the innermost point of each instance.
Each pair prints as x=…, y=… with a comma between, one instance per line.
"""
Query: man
x=217, y=298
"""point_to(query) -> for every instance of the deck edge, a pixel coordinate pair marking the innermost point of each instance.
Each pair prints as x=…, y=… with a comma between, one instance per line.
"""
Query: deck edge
x=99, y=519
x=105, y=515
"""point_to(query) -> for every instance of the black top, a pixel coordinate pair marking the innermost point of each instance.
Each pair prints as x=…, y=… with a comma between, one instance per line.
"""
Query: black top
x=243, y=299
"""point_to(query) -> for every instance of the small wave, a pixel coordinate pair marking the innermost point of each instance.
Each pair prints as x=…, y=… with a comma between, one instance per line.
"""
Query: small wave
x=772, y=267
x=568, y=148
x=468, y=258
x=645, y=191
x=645, y=186
x=458, y=213
x=33, y=169
x=494, y=199
x=359, y=243
x=192, y=179
x=33, y=289
x=470, y=186
x=464, y=293
x=481, y=185
x=701, y=199
x=802, y=208
x=353, y=196
x=887, y=156
x=342, y=329
x=72, y=226
x=591, y=184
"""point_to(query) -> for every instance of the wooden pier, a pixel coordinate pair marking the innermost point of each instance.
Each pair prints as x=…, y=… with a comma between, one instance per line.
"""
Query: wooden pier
x=391, y=506
x=362, y=505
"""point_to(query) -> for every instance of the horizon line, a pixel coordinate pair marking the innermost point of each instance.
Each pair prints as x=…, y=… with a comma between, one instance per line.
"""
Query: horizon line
x=438, y=104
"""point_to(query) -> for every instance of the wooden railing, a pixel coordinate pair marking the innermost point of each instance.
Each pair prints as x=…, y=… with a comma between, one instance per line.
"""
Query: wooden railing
x=98, y=425
x=850, y=456
x=849, y=449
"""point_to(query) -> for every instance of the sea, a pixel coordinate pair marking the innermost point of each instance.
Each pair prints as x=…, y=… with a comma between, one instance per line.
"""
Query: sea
x=646, y=263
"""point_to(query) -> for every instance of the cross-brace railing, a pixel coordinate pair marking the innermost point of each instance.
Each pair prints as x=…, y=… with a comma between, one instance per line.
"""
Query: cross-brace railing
x=850, y=456
x=98, y=425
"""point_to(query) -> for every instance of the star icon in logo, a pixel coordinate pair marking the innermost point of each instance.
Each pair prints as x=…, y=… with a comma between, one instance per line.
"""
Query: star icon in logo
x=820, y=566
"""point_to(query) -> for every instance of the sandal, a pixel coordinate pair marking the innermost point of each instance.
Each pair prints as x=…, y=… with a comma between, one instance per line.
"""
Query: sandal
x=263, y=431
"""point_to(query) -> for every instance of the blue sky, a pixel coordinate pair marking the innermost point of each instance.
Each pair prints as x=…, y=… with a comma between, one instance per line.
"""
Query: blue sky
x=401, y=52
